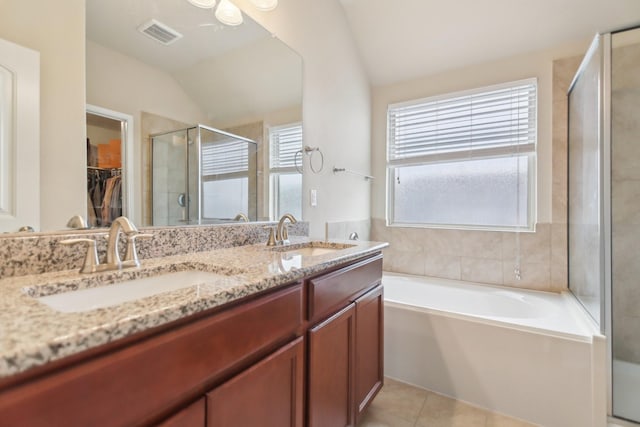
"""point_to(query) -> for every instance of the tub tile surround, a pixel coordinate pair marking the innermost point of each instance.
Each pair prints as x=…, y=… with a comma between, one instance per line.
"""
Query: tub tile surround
x=399, y=405
x=342, y=229
x=24, y=254
x=473, y=256
x=43, y=335
x=490, y=256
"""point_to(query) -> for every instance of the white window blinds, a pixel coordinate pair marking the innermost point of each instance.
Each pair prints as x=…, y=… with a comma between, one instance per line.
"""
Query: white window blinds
x=285, y=142
x=225, y=158
x=487, y=122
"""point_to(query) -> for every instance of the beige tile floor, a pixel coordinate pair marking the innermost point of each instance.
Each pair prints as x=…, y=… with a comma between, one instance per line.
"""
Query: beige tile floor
x=402, y=405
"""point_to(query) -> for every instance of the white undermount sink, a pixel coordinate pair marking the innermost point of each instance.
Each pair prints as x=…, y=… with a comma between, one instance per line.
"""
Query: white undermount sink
x=311, y=251
x=129, y=290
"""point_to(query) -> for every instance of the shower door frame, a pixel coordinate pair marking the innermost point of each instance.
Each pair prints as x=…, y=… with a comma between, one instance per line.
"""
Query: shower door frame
x=604, y=182
x=600, y=45
x=605, y=157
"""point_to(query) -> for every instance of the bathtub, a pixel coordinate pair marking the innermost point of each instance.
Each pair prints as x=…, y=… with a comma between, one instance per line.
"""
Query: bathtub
x=532, y=355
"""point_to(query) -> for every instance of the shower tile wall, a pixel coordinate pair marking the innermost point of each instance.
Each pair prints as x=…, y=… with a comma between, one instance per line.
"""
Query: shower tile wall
x=490, y=257
x=625, y=209
x=151, y=124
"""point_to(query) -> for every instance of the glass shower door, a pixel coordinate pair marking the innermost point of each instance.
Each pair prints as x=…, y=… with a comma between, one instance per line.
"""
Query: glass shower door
x=170, y=196
x=625, y=223
x=585, y=222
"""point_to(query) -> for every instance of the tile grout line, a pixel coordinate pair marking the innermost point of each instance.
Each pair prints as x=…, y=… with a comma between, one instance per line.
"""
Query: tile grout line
x=424, y=403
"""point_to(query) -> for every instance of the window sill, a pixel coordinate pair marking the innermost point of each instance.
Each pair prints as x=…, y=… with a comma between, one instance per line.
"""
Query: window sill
x=531, y=229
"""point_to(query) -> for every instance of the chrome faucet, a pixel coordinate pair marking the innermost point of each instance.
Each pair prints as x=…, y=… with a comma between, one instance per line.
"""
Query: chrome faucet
x=282, y=235
x=113, y=260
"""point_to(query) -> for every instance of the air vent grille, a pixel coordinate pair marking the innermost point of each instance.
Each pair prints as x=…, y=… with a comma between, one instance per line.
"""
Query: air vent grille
x=159, y=32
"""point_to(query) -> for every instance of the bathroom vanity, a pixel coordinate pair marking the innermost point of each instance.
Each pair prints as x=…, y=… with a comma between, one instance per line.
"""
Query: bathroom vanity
x=291, y=345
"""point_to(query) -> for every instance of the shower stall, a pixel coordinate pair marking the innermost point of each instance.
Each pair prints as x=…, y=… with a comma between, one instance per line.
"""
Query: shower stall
x=202, y=175
x=604, y=204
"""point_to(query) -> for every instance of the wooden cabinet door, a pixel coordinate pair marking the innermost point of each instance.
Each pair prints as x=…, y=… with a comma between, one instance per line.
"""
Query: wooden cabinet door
x=269, y=394
x=331, y=357
x=369, y=348
x=191, y=416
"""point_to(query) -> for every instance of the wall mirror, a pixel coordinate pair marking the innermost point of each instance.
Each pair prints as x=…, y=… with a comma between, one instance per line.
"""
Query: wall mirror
x=194, y=88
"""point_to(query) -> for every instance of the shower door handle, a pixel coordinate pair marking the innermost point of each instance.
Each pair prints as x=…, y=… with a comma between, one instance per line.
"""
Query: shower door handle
x=182, y=199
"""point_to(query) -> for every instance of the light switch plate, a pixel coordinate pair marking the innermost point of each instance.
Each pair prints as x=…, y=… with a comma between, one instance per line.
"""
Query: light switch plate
x=313, y=197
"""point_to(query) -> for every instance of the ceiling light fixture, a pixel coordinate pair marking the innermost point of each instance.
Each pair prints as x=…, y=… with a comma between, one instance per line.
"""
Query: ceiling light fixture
x=265, y=5
x=204, y=4
x=228, y=13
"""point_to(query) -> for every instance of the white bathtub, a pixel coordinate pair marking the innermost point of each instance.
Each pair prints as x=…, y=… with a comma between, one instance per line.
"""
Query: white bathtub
x=531, y=355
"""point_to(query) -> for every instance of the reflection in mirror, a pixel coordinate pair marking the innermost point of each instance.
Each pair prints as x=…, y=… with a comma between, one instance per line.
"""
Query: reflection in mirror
x=285, y=161
x=106, y=189
x=241, y=80
x=201, y=175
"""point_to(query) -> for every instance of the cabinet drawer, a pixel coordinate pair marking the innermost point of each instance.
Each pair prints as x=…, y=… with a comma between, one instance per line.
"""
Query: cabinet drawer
x=268, y=394
x=330, y=292
x=138, y=384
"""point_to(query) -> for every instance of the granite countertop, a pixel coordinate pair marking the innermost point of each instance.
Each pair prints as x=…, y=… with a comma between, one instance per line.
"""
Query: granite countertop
x=32, y=334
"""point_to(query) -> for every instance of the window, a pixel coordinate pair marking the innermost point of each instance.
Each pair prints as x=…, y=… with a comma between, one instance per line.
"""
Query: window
x=465, y=159
x=225, y=178
x=285, y=179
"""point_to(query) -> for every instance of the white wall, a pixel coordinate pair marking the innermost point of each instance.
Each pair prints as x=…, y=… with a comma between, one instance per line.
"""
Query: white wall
x=60, y=40
x=336, y=105
x=536, y=64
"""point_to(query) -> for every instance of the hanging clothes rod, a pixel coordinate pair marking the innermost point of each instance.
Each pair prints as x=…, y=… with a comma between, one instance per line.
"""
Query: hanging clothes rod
x=366, y=177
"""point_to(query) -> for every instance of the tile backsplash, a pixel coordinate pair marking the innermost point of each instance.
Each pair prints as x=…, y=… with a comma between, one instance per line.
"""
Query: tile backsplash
x=42, y=252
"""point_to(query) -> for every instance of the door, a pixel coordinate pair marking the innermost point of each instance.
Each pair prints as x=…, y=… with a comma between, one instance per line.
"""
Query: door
x=369, y=350
x=19, y=137
x=269, y=394
x=191, y=416
x=331, y=358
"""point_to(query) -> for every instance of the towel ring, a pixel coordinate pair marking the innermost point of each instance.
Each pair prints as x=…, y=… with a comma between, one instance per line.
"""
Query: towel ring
x=309, y=151
x=315, y=150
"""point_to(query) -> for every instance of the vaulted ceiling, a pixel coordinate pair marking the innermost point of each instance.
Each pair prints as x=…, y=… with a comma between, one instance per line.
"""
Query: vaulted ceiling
x=404, y=39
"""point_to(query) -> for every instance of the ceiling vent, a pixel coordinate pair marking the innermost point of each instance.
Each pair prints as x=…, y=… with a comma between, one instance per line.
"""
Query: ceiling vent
x=159, y=32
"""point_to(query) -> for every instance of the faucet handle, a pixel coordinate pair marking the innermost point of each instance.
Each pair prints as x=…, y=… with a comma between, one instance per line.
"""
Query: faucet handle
x=271, y=241
x=284, y=234
x=131, y=257
x=91, y=261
